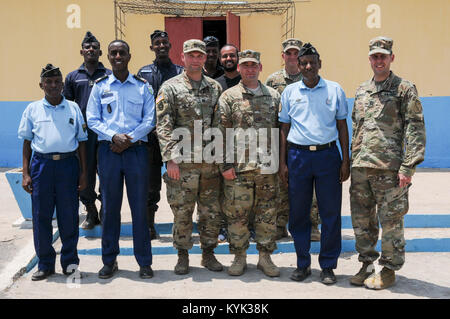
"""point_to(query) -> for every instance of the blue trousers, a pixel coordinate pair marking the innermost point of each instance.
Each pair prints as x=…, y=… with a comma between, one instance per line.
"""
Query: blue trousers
x=131, y=164
x=319, y=168
x=55, y=184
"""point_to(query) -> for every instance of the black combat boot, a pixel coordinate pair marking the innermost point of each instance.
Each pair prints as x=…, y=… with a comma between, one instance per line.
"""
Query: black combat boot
x=91, y=217
x=151, y=224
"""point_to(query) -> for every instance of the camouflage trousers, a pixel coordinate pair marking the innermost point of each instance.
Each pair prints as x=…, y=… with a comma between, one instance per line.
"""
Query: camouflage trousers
x=376, y=198
x=283, y=207
x=198, y=184
x=251, y=192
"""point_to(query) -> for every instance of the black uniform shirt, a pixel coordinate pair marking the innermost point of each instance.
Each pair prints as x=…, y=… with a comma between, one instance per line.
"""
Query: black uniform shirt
x=78, y=85
x=157, y=73
x=226, y=82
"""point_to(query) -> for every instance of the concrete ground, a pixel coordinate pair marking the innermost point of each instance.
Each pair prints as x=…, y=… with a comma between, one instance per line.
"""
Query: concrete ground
x=424, y=275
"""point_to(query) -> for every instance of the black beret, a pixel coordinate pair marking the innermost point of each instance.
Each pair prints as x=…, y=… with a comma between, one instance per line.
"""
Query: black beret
x=211, y=41
x=308, y=49
x=49, y=71
x=89, y=38
x=158, y=34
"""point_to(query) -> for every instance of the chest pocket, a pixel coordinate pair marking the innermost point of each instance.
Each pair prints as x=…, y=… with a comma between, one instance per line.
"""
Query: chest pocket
x=266, y=113
x=297, y=109
x=42, y=123
x=242, y=115
x=109, y=105
x=134, y=106
x=207, y=112
x=387, y=106
x=204, y=101
x=188, y=108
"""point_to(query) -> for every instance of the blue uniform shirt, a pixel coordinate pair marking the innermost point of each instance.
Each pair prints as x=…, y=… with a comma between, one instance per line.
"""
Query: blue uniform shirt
x=51, y=128
x=121, y=108
x=79, y=83
x=312, y=112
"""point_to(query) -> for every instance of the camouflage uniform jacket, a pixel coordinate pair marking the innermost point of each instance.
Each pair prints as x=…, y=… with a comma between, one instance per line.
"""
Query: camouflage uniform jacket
x=280, y=79
x=241, y=108
x=388, y=126
x=178, y=105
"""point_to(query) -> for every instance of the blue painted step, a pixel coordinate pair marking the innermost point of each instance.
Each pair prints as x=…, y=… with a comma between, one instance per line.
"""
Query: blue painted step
x=412, y=245
x=411, y=221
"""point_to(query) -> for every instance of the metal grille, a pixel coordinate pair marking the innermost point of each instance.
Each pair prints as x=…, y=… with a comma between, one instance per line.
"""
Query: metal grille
x=204, y=8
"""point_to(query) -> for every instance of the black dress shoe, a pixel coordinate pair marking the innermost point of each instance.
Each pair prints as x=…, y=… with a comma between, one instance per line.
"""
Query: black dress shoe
x=327, y=276
x=301, y=274
x=42, y=274
x=146, y=272
x=108, y=271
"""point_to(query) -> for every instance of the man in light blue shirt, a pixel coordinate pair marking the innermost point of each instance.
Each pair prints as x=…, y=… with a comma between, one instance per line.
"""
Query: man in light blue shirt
x=121, y=111
x=313, y=116
x=54, y=129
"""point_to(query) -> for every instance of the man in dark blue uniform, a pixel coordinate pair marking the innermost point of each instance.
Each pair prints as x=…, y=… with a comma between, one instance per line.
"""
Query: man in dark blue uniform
x=156, y=74
x=54, y=129
x=121, y=110
x=77, y=87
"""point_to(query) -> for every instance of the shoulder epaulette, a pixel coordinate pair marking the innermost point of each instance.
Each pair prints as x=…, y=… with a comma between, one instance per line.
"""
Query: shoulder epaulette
x=139, y=78
x=101, y=79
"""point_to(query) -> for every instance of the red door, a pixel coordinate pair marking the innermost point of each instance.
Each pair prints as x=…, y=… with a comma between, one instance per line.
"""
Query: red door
x=233, y=30
x=180, y=30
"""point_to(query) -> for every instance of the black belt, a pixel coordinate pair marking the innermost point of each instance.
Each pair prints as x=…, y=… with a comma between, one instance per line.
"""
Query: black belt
x=55, y=156
x=134, y=144
x=312, y=147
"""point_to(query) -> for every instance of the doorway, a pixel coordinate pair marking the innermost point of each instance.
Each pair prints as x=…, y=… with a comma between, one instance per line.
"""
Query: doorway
x=216, y=27
x=180, y=29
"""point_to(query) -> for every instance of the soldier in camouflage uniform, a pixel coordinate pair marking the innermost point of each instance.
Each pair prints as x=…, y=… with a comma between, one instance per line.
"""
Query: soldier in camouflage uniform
x=183, y=101
x=247, y=186
x=279, y=80
x=388, y=143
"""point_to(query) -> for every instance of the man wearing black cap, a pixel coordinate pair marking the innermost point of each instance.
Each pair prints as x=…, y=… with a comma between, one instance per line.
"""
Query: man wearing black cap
x=313, y=116
x=54, y=129
x=156, y=74
x=78, y=86
x=212, y=67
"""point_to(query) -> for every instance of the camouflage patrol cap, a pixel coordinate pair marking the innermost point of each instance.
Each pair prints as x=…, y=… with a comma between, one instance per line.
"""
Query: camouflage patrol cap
x=292, y=44
x=249, y=56
x=380, y=45
x=194, y=45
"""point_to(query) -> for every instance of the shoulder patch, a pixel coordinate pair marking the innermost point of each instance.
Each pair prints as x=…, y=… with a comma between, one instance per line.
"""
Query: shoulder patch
x=139, y=78
x=159, y=98
x=101, y=79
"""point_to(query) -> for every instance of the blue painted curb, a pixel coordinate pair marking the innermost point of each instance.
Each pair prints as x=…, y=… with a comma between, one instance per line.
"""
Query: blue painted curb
x=412, y=246
x=23, y=199
x=411, y=221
